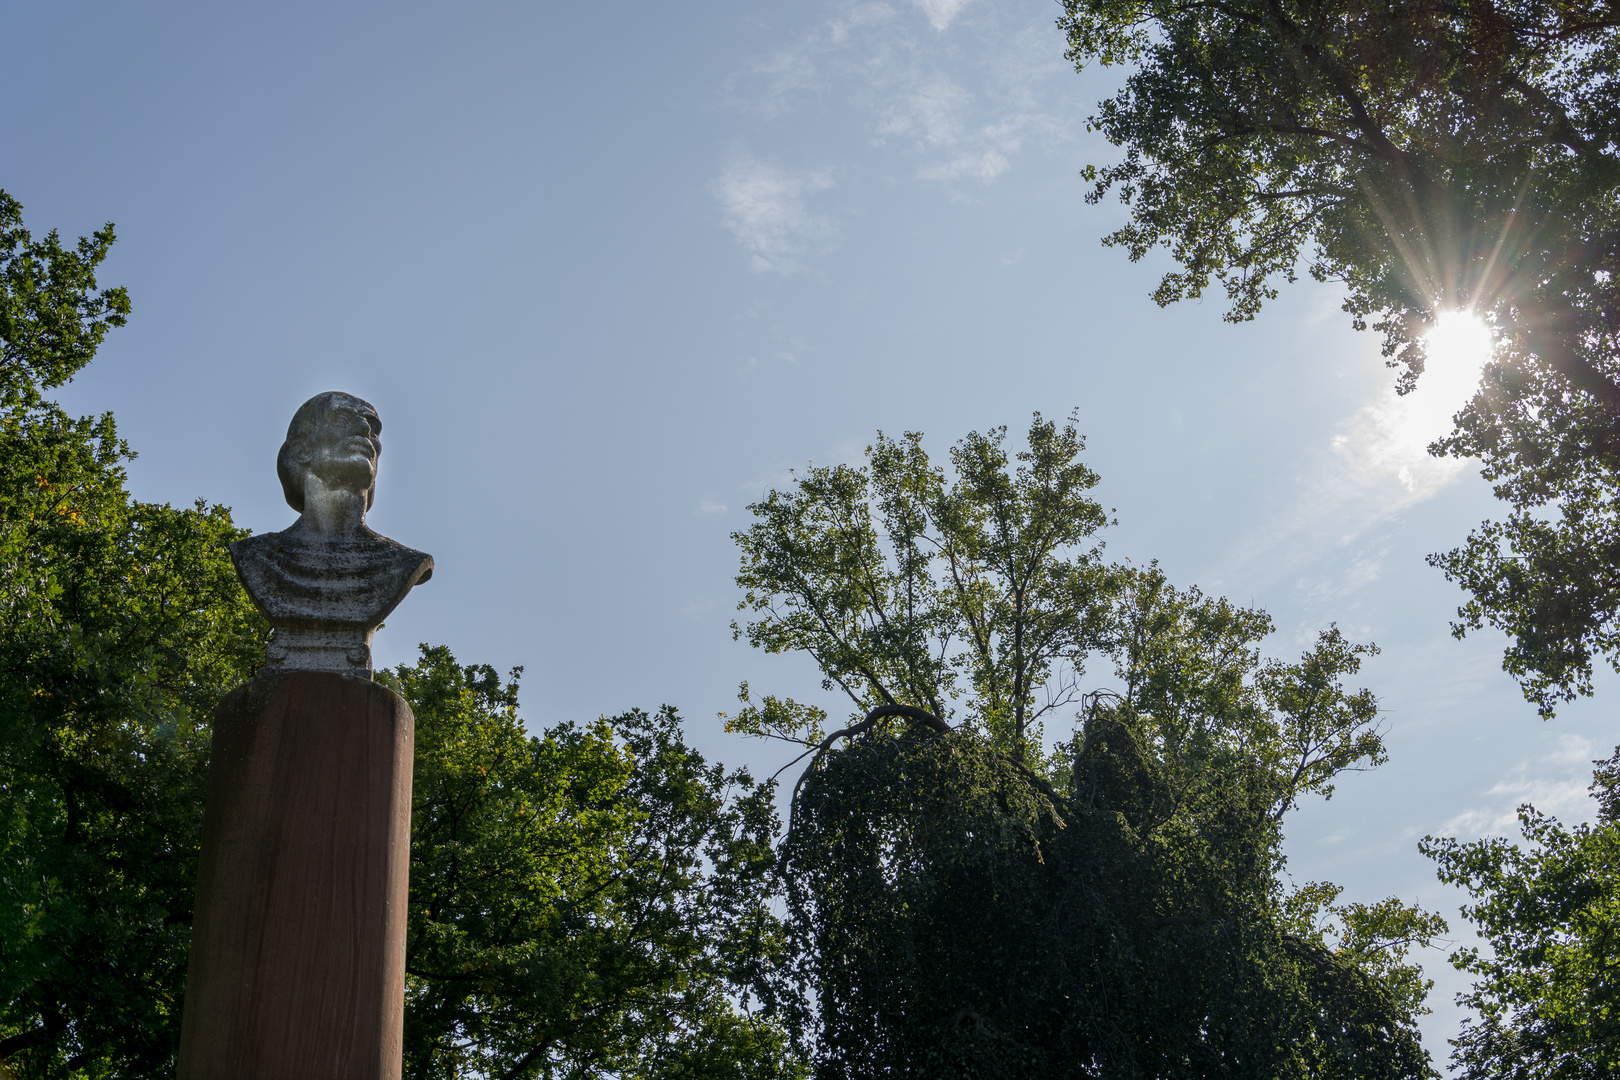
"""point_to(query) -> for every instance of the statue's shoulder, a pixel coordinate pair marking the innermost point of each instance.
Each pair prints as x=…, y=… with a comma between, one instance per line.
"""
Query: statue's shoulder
x=256, y=546
x=255, y=556
x=417, y=564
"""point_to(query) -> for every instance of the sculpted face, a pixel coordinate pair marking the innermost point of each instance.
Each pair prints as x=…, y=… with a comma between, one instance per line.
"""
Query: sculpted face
x=335, y=438
x=344, y=447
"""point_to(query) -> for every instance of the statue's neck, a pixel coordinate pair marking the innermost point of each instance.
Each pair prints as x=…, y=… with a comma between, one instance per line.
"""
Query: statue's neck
x=331, y=513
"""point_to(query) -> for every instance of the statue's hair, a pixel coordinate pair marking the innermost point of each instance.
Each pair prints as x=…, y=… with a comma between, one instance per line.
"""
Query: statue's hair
x=305, y=422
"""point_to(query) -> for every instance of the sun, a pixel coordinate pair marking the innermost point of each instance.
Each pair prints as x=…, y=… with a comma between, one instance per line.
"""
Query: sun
x=1459, y=346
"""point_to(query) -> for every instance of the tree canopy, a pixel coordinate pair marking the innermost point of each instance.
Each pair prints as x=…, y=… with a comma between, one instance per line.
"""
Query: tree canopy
x=1546, y=1001
x=1427, y=157
x=52, y=316
x=980, y=899
x=981, y=583
x=584, y=902
x=120, y=624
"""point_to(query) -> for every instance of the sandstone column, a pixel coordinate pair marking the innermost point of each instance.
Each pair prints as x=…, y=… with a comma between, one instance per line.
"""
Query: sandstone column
x=298, y=943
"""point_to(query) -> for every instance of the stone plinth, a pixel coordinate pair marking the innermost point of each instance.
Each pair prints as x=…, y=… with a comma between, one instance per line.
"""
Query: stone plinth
x=298, y=945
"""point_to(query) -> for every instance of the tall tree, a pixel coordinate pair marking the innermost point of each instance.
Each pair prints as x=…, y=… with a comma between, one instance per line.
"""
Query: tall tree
x=1430, y=157
x=963, y=902
x=120, y=625
x=587, y=902
x=52, y=315
x=584, y=903
x=986, y=577
x=1546, y=1000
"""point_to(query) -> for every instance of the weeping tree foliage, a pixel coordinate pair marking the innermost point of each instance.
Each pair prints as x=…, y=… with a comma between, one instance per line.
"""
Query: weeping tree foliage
x=964, y=902
x=1427, y=157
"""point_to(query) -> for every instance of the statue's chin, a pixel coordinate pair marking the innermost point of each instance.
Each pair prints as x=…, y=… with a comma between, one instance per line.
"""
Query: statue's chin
x=355, y=475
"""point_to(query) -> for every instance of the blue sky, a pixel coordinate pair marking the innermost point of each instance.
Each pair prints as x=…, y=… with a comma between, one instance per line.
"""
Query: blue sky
x=609, y=272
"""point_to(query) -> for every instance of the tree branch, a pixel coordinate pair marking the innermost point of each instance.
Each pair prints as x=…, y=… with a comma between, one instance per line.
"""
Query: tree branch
x=910, y=712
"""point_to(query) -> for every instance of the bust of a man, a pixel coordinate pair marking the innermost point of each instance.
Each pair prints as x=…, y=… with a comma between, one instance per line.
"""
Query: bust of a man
x=328, y=582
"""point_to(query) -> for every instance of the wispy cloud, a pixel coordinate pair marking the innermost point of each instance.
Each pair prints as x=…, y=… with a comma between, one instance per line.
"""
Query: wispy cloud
x=941, y=12
x=814, y=65
x=983, y=166
x=1555, y=783
x=1374, y=467
x=709, y=506
x=932, y=113
x=935, y=119
x=764, y=206
x=963, y=105
x=699, y=610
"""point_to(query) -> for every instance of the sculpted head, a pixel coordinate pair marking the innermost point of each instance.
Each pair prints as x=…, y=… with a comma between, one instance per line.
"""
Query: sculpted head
x=335, y=437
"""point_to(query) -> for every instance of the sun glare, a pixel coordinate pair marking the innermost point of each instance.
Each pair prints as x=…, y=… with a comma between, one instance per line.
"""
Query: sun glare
x=1459, y=346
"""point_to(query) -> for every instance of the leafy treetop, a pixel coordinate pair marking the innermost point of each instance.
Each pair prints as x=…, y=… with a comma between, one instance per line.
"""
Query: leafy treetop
x=1546, y=1004
x=1427, y=157
x=963, y=900
x=52, y=318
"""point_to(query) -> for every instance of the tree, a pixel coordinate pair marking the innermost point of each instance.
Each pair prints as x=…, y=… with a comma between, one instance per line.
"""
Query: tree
x=1432, y=157
x=964, y=901
x=120, y=625
x=990, y=563
x=1547, y=1000
x=587, y=902
x=584, y=903
x=52, y=318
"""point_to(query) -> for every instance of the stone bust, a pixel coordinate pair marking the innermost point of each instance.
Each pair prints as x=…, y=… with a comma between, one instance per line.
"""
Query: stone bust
x=327, y=582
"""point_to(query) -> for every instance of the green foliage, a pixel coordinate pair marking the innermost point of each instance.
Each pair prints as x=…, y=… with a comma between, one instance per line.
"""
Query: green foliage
x=962, y=903
x=976, y=586
x=1373, y=937
x=585, y=902
x=52, y=319
x=1430, y=157
x=104, y=696
x=951, y=918
x=1190, y=665
x=1547, y=1000
x=120, y=625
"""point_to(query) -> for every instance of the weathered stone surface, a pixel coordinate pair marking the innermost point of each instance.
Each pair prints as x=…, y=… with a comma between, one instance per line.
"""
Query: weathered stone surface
x=298, y=943
x=327, y=582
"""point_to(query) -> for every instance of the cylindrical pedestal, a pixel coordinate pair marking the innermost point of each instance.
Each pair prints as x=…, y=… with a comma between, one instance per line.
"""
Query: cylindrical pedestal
x=297, y=967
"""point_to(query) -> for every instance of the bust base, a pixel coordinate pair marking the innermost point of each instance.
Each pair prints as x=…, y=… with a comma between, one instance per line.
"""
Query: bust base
x=345, y=650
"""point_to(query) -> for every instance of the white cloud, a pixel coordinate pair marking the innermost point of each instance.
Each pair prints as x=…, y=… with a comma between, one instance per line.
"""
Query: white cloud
x=786, y=74
x=698, y=610
x=1364, y=565
x=963, y=107
x=1376, y=466
x=983, y=167
x=773, y=86
x=764, y=206
x=709, y=506
x=934, y=117
x=1555, y=783
x=941, y=12
x=932, y=113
